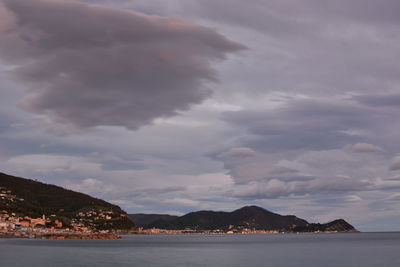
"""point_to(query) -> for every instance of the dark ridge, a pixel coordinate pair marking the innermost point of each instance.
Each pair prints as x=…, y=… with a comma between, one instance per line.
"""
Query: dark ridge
x=339, y=225
x=252, y=217
x=142, y=220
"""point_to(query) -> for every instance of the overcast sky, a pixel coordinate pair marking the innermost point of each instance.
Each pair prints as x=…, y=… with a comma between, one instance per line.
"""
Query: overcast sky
x=170, y=106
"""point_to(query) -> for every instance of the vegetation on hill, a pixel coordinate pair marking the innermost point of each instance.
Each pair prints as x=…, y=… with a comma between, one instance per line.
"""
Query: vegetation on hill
x=252, y=217
x=249, y=217
x=339, y=225
x=35, y=199
x=142, y=220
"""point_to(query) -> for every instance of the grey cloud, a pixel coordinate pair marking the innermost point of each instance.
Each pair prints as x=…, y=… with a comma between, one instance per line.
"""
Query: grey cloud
x=303, y=46
x=337, y=200
x=395, y=164
x=396, y=178
x=269, y=17
x=109, y=161
x=246, y=169
x=302, y=124
x=394, y=197
x=305, y=138
x=282, y=15
x=277, y=188
x=87, y=66
x=145, y=192
x=382, y=100
x=238, y=152
x=364, y=147
x=387, y=185
x=312, y=47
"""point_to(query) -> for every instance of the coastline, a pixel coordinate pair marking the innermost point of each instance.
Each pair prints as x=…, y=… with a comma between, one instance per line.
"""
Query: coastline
x=102, y=236
x=60, y=236
x=252, y=233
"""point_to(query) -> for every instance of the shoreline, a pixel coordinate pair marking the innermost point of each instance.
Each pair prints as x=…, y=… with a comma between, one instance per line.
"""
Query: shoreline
x=103, y=236
x=285, y=233
x=60, y=236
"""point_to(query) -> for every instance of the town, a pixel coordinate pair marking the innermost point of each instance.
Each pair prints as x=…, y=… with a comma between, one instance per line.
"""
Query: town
x=153, y=231
x=17, y=225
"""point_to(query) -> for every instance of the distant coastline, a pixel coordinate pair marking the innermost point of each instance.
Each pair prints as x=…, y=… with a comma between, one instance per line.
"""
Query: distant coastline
x=98, y=236
x=30, y=209
x=59, y=235
x=248, y=219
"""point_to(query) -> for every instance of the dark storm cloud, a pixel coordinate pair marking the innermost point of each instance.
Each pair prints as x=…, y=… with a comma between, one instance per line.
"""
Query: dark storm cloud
x=87, y=66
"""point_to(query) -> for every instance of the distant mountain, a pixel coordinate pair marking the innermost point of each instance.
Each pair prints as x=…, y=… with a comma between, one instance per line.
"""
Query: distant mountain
x=247, y=217
x=142, y=220
x=25, y=197
x=250, y=217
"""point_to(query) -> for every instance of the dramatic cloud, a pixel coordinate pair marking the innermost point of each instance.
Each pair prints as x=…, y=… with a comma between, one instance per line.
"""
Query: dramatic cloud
x=88, y=66
x=303, y=122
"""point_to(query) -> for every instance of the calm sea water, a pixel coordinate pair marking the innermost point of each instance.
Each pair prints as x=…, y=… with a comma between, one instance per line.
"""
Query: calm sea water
x=306, y=250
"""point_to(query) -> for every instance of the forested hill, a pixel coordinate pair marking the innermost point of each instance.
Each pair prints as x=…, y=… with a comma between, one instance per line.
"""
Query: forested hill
x=26, y=197
x=247, y=217
x=143, y=220
x=250, y=217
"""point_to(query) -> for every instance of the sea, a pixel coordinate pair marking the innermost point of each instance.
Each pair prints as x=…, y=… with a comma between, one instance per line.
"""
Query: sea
x=275, y=250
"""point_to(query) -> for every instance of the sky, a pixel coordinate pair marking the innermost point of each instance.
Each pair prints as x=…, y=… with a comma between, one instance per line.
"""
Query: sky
x=171, y=106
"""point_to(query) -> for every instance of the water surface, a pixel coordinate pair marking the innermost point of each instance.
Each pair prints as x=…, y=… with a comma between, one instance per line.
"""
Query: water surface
x=287, y=250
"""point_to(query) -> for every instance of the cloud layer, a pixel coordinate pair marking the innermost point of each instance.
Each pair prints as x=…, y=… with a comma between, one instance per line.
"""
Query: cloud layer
x=88, y=66
x=305, y=121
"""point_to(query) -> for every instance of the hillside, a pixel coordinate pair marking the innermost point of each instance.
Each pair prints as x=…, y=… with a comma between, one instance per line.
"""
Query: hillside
x=142, y=220
x=252, y=217
x=339, y=225
x=249, y=217
x=25, y=197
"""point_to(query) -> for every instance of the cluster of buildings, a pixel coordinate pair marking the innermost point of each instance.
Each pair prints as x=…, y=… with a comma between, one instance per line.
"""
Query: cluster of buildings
x=7, y=196
x=96, y=215
x=13, y=225
x=16, y=219
x=17, y=225
x=84, y=221
x=11, y=222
